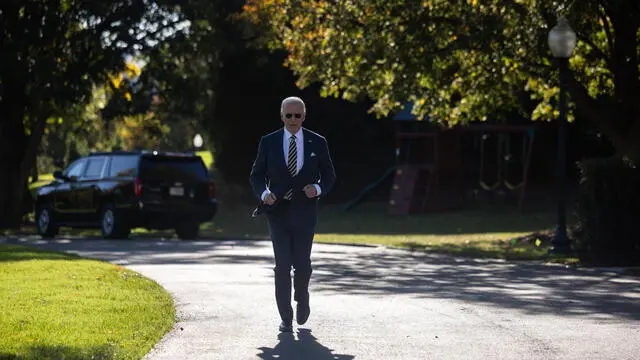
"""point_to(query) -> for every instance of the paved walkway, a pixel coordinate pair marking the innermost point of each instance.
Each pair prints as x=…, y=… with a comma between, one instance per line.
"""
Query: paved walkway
x=371, y=303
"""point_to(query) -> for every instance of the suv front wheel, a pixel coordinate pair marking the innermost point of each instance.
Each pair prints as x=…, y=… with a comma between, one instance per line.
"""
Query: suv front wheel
x=112, y=225
x=45, y=223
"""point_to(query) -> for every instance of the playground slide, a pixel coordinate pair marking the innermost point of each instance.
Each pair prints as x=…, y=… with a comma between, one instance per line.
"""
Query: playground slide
x=351, y=204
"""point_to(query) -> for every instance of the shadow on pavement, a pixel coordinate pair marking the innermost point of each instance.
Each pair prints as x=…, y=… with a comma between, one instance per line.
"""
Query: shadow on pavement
x=306, y=347
x=148, y=252
x=530, y=288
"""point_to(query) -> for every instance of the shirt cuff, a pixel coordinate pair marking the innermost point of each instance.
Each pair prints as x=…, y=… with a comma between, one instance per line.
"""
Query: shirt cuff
x=264, y=194
x=318, y=189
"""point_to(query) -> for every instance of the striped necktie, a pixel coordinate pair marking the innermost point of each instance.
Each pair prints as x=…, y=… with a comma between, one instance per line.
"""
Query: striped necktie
x=292, y=163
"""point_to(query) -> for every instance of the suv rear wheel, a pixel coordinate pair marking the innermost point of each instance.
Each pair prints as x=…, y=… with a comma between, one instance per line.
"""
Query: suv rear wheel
x=112, y=225
x=45, y=223
x=188, y=231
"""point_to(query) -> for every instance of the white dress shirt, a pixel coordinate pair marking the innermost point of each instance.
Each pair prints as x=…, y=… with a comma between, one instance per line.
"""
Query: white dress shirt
x=286, y=140
x=300, y=158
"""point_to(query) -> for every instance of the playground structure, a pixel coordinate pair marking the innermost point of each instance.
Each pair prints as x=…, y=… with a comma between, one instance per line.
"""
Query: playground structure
x=454, y=165
x=439, y=169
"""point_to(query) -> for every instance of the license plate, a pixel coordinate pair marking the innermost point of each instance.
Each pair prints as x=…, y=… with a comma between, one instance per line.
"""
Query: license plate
x=176, y=191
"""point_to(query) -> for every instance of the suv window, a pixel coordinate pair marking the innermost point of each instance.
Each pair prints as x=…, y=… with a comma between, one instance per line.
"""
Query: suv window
x=123, y=166
x=75, y=169
x=173, y=169
x=94, y=168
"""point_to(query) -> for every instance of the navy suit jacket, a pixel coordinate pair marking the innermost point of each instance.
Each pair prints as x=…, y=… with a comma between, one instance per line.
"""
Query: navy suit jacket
x=270, y=169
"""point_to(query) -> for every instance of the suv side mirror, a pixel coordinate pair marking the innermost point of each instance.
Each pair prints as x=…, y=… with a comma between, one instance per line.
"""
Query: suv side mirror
x=60, y=176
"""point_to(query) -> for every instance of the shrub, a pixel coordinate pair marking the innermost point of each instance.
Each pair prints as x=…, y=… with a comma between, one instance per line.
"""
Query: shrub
x=608, y=207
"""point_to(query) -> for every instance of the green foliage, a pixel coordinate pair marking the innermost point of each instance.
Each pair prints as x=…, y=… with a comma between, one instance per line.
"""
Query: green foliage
x=187, y=74
x=178, y=82
x=183, y=70
x=457, y=60
x=77, y=129
x=608, y=210
x=118, y=115
x=72, y=46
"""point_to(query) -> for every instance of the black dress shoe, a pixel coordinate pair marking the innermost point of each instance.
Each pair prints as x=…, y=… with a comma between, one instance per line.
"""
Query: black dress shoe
x=286, y=326
x=302, y=312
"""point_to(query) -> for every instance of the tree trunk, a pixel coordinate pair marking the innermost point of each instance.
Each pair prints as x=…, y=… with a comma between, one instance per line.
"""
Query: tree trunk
x=627, y=140
x=618, y=120
x=617, y=117
x=12, y=181
x=35, y=174
x=629, y=144
x=17, y=151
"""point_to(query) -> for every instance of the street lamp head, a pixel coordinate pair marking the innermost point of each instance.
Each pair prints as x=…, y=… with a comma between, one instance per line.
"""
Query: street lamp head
x=198, y=141
x=562, y=39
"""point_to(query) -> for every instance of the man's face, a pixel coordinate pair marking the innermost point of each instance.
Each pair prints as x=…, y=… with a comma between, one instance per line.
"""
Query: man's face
x=293, y=117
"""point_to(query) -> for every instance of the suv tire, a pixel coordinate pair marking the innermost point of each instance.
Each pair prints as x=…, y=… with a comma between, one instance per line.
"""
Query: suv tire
x=188, y=231
x=45, y=223
x=112, y=224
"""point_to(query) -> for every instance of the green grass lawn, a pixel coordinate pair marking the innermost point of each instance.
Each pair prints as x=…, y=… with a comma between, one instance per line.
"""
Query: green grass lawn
x=60, y=306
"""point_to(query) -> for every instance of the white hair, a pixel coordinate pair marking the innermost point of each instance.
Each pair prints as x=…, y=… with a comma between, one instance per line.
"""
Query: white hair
x=293, y=100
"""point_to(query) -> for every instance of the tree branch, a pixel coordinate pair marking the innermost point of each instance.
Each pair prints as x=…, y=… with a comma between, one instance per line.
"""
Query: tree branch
x=517, y=7
x=157, y=31
x=536, y=70
x=598, y=113
x=602, y=13
x=599, y=53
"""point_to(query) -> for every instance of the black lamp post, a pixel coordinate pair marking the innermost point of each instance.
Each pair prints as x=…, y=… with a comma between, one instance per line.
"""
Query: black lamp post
x=562, y=42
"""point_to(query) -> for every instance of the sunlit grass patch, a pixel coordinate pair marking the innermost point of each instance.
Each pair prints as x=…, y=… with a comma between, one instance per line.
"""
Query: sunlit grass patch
x=61, y=306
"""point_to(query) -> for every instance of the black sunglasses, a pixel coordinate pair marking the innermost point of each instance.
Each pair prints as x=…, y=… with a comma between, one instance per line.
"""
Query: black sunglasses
x=288, y=116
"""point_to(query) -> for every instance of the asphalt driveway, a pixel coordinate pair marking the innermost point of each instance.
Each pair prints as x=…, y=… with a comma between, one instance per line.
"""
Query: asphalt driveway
x=379, y=304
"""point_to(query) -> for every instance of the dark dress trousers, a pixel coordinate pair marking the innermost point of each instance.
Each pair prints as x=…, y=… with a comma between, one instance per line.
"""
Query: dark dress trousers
x=291, y=222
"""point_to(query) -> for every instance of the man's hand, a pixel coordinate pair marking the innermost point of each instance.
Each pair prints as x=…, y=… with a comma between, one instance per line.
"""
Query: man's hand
x=310, y=191
x=270, y=199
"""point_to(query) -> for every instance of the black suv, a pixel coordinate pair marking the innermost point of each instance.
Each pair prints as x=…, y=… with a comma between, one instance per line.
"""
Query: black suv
x=118, y=191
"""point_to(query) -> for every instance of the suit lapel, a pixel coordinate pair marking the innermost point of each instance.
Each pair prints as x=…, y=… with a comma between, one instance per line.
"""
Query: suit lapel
x=308, y=148
x=277, y=147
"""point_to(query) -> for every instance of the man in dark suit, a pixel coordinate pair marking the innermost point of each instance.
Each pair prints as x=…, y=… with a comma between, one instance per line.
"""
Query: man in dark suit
x=292, y=169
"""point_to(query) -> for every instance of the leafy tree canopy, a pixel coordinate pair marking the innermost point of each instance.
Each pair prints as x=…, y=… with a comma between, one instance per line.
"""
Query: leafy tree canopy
x=460, y=60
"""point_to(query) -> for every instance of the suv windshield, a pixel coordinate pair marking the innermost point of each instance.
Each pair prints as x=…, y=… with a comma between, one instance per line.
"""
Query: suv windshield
x=159, y=168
